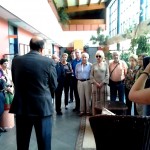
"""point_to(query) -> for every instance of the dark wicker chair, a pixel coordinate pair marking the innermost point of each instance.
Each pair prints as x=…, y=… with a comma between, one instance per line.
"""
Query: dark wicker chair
x=121, y=132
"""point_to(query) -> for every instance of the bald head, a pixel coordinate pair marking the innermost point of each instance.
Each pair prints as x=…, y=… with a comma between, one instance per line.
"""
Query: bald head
x=37, y=43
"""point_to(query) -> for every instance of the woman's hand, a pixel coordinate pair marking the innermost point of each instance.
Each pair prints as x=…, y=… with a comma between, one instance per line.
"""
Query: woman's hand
x=9, y=89
x=99, y=85
x=147, y=69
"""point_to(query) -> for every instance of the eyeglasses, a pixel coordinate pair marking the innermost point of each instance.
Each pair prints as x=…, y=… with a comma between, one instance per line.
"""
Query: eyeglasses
x=98, y=56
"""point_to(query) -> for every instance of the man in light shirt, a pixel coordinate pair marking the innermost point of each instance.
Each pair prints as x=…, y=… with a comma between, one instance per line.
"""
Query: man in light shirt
x=118, y=71
x=82, y=72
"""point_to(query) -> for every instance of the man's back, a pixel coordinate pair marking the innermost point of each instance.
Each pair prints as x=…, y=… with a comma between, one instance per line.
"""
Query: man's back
x=34, y=78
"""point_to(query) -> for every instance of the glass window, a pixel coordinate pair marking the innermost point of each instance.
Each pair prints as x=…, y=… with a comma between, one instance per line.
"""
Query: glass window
x=147, y=9
x=113, y=18
x=130, y=11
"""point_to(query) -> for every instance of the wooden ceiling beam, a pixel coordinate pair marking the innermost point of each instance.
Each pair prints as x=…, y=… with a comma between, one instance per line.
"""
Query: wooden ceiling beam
x=100, y=2
x=89, y=2
x=66, y=3
x=78, y=3
x=72, y=9
x=86, y=21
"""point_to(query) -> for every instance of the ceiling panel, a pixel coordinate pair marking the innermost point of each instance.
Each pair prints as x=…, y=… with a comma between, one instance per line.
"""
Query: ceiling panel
x=72, y=3
x=83, y=2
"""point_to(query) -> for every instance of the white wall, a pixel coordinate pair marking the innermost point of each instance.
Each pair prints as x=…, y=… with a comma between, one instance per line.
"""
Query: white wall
x=39, y=15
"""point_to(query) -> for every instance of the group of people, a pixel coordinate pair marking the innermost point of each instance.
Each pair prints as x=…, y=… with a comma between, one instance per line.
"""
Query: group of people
x=38, y=79
x=90, y=81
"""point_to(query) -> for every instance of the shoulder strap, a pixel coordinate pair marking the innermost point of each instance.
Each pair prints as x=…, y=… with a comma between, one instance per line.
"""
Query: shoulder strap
x=69, y=65
x=113, y=69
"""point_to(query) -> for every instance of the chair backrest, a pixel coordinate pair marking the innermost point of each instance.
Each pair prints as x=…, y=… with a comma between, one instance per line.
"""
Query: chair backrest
x=121, y=132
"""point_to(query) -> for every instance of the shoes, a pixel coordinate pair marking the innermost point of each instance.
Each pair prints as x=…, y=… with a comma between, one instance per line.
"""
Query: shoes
x=71, y=101
x=59, y=113
x=2, y=130
x=81, y=114
x=66, y=107
x=75, y=110
x=88, y=114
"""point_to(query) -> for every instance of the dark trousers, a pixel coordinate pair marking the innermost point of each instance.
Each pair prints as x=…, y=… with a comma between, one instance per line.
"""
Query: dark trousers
x=58, y=94
x=117, y=87
x=66, y=90
x=43, y=127
x=128, y=102
x=71, y=88
x=77, y=99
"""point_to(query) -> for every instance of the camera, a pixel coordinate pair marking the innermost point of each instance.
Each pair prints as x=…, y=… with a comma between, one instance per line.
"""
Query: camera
x=146, y=61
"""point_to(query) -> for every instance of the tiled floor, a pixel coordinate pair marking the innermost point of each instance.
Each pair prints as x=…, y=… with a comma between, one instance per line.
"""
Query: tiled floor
x=65, y=131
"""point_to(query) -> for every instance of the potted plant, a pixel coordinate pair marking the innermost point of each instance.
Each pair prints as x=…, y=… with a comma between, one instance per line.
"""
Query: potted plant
x=64, y=17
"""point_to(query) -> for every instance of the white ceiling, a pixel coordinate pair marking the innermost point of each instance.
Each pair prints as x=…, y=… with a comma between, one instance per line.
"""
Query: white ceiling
x=5, y=14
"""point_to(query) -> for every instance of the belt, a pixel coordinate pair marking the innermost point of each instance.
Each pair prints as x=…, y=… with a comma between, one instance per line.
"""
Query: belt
x=82, y=80
x=118, y=82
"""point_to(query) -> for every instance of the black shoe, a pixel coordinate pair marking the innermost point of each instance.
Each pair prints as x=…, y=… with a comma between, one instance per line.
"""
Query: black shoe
x=66, y=108
x=75, y=110
x=71, y=101
x=59, y=113
x=2, y=130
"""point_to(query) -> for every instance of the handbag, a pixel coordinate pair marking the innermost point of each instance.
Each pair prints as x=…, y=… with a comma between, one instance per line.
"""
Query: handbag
x=111, y=74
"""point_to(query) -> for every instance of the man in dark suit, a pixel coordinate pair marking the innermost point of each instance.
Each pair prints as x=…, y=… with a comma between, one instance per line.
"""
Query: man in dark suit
x=35, y=78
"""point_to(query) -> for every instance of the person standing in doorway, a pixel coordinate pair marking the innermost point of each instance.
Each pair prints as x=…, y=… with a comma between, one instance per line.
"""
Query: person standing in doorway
x=35, y=78
x=75, y=81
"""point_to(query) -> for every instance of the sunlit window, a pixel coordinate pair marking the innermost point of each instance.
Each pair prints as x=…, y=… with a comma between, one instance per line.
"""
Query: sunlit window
x=147, y=9
x=113, y=18
x=130, y=11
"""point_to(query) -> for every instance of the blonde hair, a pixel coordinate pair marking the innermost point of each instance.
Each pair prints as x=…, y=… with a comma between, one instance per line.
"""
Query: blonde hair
x=101, y=53
x=135, y=57
x=64, y=54
x=85, y=54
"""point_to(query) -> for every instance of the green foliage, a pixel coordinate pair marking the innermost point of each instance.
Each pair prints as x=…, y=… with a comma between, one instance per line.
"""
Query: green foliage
x=143, y=45
x=108, y=55
x=100, y=38
x=133, y=45
x=125, y=56
x=64, y=18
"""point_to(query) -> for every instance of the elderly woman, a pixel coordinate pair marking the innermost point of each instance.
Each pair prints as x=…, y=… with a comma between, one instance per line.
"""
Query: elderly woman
x=130, y=79
x=82, y=72
x=68, y=73
x=139, y=108
x=99, y=77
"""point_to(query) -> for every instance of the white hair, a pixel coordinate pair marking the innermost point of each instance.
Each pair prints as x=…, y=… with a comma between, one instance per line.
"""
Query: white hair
x=101, y=53
x=85, y=54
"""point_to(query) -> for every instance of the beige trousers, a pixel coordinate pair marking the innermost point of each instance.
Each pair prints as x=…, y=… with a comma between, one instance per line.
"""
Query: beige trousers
x=85, y=90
